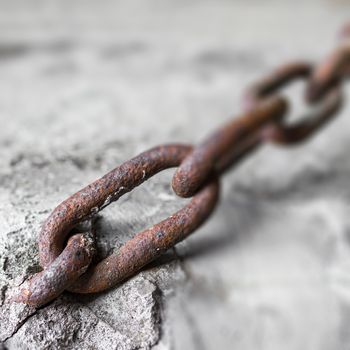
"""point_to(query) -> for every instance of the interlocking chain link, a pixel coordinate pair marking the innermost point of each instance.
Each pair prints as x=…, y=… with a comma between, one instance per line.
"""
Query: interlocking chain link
x=67, y=265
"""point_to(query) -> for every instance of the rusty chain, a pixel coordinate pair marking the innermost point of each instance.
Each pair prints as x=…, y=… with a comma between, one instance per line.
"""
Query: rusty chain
x=67, y=264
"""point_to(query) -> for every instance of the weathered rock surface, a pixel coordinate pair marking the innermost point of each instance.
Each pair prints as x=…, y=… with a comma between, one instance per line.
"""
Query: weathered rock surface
x=85, y=86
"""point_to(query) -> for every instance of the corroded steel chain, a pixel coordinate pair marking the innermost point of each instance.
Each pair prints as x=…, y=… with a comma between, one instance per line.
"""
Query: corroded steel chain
x=67, y=264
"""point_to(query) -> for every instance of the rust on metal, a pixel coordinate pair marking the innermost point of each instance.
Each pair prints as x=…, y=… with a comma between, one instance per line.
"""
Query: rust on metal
x=332, y=70
x=273, y=81
x=284, y=134
x=149, y=244
x=52, y=281
x=202, y=162
x=94, y=197
x=142, y=249
x=281, y=132
x=66, y=257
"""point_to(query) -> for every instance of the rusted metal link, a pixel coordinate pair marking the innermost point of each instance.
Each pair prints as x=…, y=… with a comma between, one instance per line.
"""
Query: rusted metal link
x=136, y=253
x=52, y=281
x=280, y=132
x=275, y=80
x=333, y=69
x=94, y=197
x=149, y=244
x=66, y=256
x=301, y=131
x=204, y=160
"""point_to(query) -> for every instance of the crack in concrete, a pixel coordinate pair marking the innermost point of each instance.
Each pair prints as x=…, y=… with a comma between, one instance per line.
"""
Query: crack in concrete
x=20, y=325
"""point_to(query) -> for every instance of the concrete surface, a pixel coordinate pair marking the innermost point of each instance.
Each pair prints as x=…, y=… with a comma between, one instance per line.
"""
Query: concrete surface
x=84, y=86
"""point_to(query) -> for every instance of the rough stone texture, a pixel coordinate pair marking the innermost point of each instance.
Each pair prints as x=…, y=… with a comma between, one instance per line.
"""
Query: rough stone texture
x=85, y=85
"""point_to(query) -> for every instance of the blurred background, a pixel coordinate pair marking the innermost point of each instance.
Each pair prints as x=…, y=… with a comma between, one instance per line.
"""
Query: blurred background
x=85, y=85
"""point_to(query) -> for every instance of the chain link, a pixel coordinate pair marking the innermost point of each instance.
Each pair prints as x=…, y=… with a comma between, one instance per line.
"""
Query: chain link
x=281, y=133
x=68, y=266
